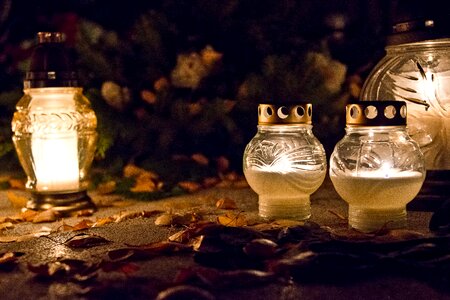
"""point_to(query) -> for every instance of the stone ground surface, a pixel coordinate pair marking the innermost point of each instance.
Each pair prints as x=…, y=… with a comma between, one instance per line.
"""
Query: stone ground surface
x=158, y=273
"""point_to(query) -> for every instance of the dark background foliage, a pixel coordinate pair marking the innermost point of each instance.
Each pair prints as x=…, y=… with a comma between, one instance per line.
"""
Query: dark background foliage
x=263, y=47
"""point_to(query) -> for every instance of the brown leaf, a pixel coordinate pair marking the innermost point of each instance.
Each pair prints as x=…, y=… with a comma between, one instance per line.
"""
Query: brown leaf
x=28, y=215
x=260, y=248
x=169, y=219
x=83, y=224
x=133, y=215
x=233, y=220
x=226, y=203
x=85, y=241
x=16, y=200
x=49, y=215
x=20, y=238
x=8, y=258
x=74, y=269
x=6, y=225
x=103, y=221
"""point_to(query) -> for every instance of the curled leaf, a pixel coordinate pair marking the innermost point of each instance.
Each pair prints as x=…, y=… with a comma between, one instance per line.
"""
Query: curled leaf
x=85, y=241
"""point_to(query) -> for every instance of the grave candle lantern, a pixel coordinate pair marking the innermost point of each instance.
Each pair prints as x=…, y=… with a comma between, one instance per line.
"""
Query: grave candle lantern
x=54, y=130
x=284, y=163
x=376, y=167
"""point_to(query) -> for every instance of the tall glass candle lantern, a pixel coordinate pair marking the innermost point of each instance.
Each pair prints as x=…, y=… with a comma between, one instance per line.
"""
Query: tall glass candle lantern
x=416, y=69
x=284, y=163
x=54, y=130
x=376, y=167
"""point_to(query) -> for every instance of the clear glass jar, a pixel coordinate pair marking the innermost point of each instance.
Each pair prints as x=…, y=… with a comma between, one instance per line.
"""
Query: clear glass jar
x=54, y=131
x=284, y=163
x=376, y=167
x=418, y=73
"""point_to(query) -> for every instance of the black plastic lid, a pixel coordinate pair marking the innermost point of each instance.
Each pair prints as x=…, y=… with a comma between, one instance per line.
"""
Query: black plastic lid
x=50, y=63
x=418, y=20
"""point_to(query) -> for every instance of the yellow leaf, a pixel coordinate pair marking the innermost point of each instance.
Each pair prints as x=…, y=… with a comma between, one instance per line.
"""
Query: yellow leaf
x=232, y=220
x=16, y=200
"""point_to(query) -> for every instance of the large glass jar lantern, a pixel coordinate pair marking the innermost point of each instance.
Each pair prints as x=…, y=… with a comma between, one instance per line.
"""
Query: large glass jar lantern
x=284, y=163
x=54, y=130
x=376, y=167
x=416, y=69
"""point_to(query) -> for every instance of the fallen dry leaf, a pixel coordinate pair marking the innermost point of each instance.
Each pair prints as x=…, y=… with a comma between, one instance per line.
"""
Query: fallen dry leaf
x=6, y=225
x=27, y=215
x=233, y=220
x=83, y=224
x=20, y=238
x=84, y=240
x=16, y=200
x=49, y=215
x=123, y=216
x=169, y=219
x=8, y=260
x=226, y=203
x=103, y=221
x=70, y=269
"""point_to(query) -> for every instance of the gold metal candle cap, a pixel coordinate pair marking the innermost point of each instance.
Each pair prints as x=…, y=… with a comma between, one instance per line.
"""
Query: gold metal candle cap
x=284, y=113
x=376, y=113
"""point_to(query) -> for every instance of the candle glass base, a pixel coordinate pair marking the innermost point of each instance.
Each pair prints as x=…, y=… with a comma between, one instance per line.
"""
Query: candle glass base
x=371, y=219
x=65, y=204
x=298, y=208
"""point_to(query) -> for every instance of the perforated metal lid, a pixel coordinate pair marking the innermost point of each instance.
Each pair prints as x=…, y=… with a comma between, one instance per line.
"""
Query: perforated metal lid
x=284, y=113
x=376, y=113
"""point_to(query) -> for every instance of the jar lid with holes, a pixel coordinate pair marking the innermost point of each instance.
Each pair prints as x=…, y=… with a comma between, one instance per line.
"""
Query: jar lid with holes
x=376, y=113
x=284, y=113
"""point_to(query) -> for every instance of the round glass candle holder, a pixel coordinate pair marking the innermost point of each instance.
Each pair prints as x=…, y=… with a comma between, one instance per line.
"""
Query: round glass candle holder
x=376, y=167
x=284, y=163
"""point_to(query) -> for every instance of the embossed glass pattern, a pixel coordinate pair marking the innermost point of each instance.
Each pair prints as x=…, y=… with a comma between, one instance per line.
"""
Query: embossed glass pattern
x=55, y=138
x=377, y=169
x=284, y=164
x=418, y=73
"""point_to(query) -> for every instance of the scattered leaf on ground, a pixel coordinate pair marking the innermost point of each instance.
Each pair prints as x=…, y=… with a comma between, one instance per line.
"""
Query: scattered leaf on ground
x=49, y=215
x=16, y=200
x=232, y=220
x=226, y=203
x=85, y=241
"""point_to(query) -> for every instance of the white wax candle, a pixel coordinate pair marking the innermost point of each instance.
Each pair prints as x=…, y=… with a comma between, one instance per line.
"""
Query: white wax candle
x=54, y=144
